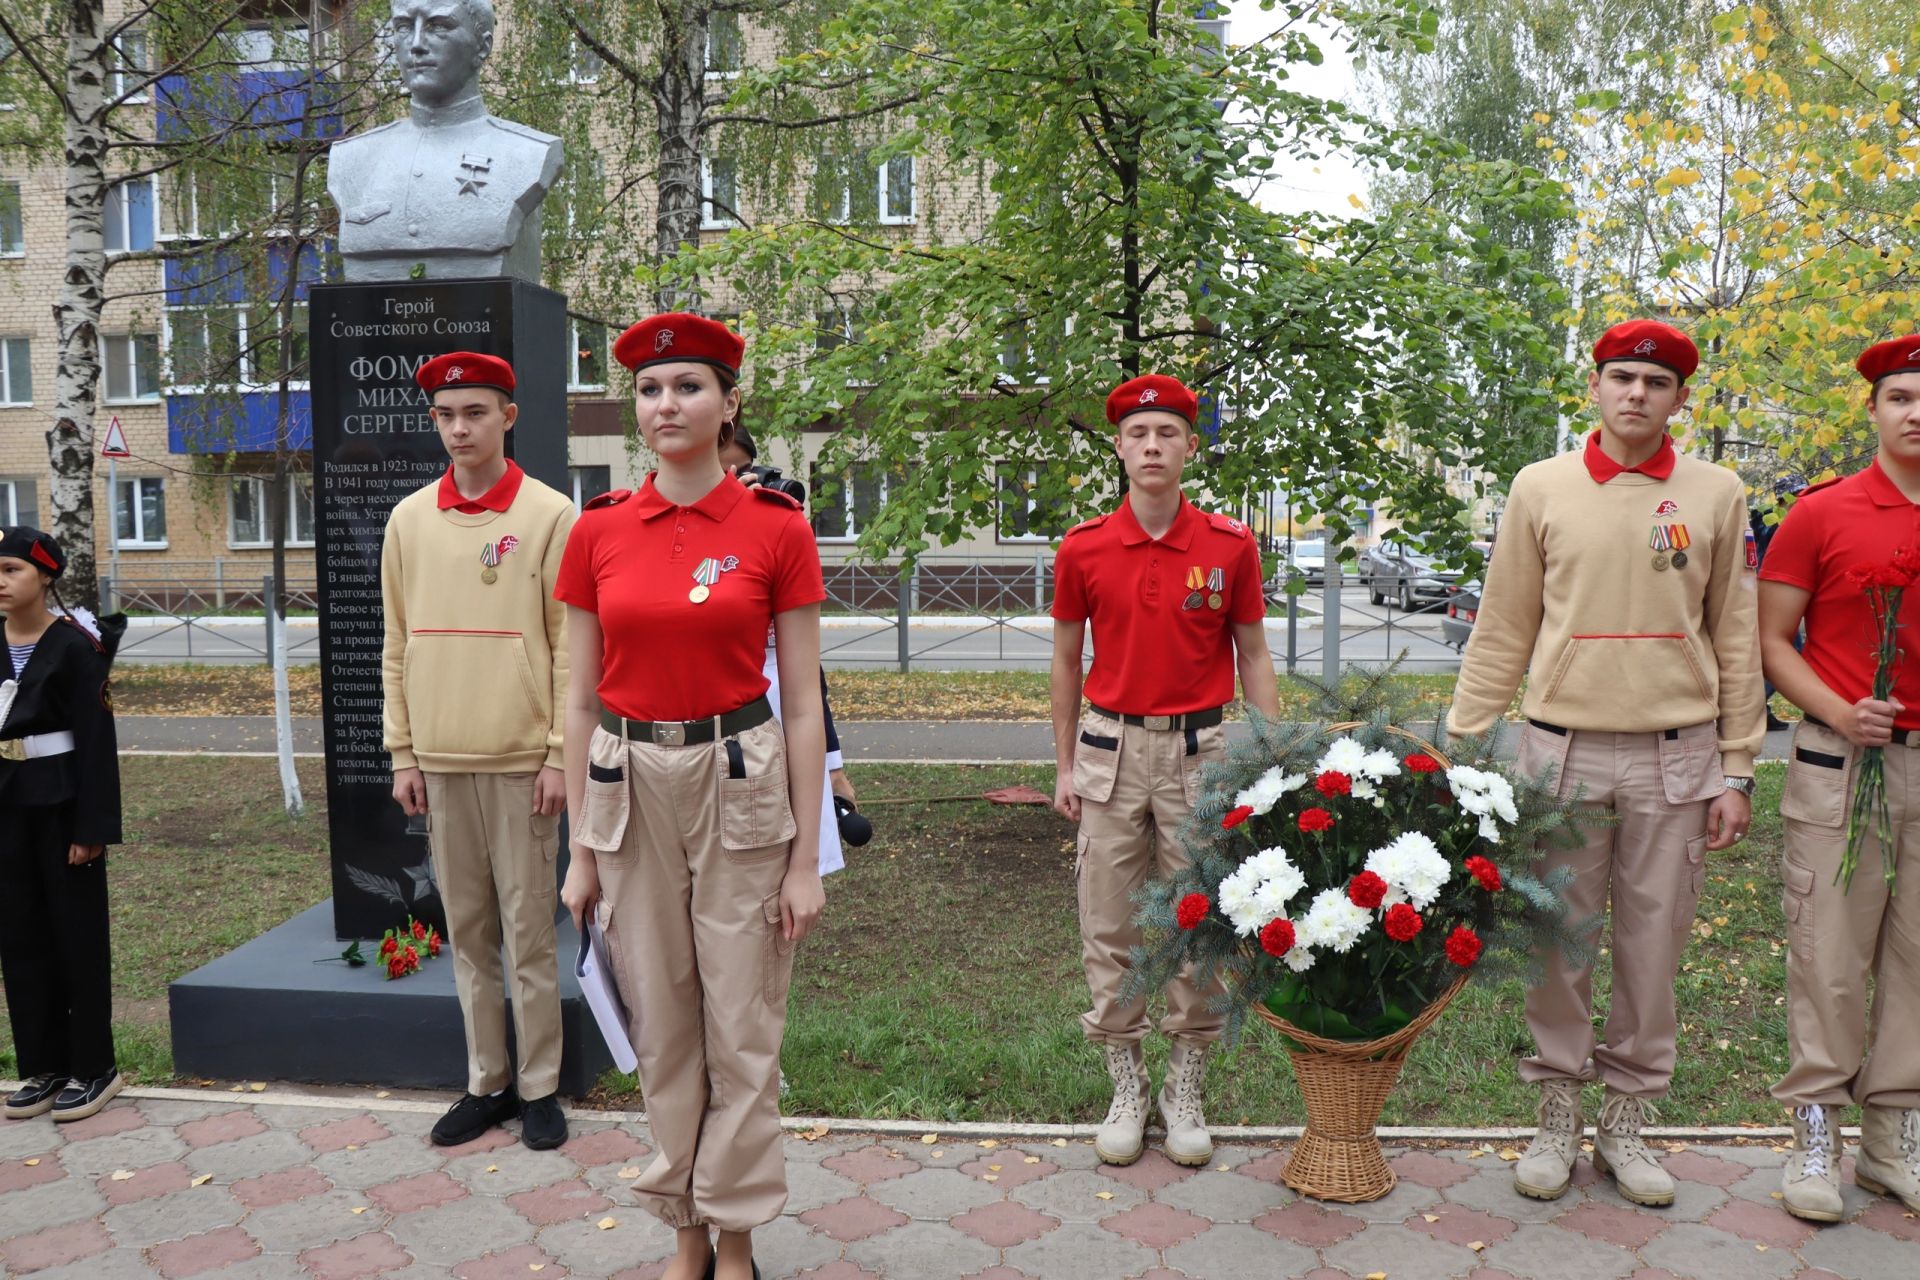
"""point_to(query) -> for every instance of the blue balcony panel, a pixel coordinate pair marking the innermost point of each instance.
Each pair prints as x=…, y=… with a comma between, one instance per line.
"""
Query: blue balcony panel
x=210, y=279
x=242, y=422
x=272, y=105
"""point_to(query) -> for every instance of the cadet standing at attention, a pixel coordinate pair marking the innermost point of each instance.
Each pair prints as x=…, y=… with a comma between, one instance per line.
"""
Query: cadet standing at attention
x=1175, y=602
x=686, y=786
x=1839, y=936
x=475, y=673
x=1622, y=586
x=59, y=810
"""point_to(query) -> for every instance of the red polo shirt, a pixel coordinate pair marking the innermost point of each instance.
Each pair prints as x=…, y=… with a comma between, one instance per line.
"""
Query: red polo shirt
x=1603, y=468
x=1856, y=521
x=1160, y=644
x=663, y=657
x=498, y=498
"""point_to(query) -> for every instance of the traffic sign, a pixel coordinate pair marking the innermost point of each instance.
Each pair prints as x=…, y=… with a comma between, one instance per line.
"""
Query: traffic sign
x=115, y=445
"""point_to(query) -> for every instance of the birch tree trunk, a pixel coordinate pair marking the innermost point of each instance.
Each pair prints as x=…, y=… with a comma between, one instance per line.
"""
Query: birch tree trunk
x=679, y=99
x=82, y=297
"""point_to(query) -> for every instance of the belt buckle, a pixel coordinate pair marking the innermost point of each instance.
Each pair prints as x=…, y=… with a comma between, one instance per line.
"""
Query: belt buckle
x=13, y=748
x=669, y=734
x=1158, y=722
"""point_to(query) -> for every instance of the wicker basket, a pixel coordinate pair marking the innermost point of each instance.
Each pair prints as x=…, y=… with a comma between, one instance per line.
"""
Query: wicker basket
x=1345, y=1085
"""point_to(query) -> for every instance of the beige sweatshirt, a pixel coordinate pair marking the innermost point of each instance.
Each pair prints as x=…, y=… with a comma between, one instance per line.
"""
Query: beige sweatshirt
x=475, y=672
x=1609, y=643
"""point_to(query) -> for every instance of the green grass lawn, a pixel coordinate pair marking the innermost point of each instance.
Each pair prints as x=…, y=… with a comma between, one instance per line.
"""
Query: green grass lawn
x=944, y=982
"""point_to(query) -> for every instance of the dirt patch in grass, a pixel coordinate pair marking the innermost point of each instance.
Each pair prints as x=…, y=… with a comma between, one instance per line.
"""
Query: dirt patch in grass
x=193, y=690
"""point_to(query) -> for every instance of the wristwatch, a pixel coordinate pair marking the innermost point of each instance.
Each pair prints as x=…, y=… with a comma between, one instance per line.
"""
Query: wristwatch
x=1743, y=785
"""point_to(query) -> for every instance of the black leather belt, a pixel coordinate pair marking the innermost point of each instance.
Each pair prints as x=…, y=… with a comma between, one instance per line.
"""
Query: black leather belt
x=1901, y=737
x=1671, y=735
x=1191, y=720
x=687, y=733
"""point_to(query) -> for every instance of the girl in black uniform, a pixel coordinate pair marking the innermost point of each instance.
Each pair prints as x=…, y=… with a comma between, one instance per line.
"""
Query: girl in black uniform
x=59, y=810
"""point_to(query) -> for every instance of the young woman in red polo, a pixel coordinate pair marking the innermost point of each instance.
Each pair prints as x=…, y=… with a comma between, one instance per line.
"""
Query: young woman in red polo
x=1841, y=935
x=685, y=786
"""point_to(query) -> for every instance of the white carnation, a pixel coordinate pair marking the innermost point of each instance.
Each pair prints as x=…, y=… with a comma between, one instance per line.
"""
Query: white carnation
x=1502, y=792
x=1240, y=900
x=1267, y=790
x=1489, y=830
x=1333, y=921
x=1299, y=958
x=1412, y=864
x=1380, y=765
x=1344, y=755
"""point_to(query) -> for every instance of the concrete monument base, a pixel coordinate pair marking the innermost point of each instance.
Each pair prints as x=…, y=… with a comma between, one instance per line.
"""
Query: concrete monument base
x=267, y=1011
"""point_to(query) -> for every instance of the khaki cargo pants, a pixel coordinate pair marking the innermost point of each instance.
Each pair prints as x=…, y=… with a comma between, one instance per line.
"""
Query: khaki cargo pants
x=1136, y=786
x=1837, y=938
x=691, y=862
x=1651, y=868
x=493, y=857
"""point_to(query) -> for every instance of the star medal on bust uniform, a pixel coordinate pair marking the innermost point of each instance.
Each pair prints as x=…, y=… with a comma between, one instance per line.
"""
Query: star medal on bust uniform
x=709, y=573
x=1678, y=535
x=1660, y=542
x=1196, y=579
x=1216, y=582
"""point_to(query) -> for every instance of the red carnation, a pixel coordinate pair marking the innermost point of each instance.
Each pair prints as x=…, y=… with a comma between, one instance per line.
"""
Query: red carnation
x=1236, y=816
x=1485, y=872
x=1193, y=909
x=419, y=930
x=1402, y=922
x=1331, y=783
x=433, y=945
x=396, y=967
x=388, y=947
x=1421, y=762
x=1463, y=946
x=1315, y=820
x=1367, y=890
x=1277, y=938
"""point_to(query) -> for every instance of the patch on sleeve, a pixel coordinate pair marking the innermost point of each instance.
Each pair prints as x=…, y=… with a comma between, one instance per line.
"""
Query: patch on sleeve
x=1227, y=524
x=611, y=498
x=776, y=497
x=1084, y=525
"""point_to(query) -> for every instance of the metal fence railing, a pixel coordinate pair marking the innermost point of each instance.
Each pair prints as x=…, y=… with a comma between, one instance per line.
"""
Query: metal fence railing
x=180, y=611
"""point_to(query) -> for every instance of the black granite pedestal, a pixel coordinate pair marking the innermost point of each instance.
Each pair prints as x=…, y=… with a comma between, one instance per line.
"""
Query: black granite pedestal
x=266, y=1011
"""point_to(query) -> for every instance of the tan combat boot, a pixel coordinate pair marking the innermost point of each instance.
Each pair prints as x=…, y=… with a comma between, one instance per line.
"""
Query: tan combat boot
x=1618, y=1150
x=1546, y=1170
x=1888, y=1162
x=1810, y=1184
x=1122, y=1136
x=1187, y=1141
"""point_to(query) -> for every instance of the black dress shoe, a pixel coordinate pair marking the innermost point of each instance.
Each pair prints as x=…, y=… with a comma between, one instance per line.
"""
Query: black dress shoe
x=34, y=1097
x=472, y=1116
x=83, y=1098
x=542, y=1124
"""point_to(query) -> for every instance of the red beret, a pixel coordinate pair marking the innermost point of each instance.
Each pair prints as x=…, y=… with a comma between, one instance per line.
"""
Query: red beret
x=1883, y=359
x=1152, y=391
x=680, y=336
x=465, y=369
x=1648, y=340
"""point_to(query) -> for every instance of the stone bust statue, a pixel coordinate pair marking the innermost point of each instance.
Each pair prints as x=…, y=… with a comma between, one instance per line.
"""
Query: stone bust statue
x=450, y=191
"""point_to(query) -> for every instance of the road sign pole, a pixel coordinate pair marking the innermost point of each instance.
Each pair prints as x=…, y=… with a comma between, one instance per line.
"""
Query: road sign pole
x=113, y=523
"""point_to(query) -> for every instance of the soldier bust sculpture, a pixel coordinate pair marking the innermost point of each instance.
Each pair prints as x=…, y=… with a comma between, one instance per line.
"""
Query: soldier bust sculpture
x=450, y=191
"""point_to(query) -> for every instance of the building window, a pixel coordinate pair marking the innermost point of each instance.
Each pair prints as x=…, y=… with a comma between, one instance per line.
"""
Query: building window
x=128, y=58
x=250, y=519
x=133, y=366
x=587, y=356
x=845, y=505
x=1022, y=516
x=726, y=49
x=582, y=192
x=140, y=512
x=896, y=191
x=719, y=195
x=588, y=483
x=129, y=215
x=16, y=503
x=16, y=371
x=583, y=64
x=229, y=346
x=13, y=231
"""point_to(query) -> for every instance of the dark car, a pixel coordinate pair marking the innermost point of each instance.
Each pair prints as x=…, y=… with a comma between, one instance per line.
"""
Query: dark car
x=1463, y=607
x=1414, y=579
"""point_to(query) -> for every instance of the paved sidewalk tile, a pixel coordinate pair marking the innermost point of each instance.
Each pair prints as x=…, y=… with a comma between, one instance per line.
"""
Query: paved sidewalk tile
x=173, y=1189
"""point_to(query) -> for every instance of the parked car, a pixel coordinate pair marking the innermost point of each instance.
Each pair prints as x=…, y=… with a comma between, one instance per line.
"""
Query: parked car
x=1463, y=607
x=1414, y=579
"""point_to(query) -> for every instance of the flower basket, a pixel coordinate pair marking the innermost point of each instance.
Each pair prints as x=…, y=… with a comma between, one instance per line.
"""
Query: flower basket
x=1344, y=1085
x=1346, y=881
